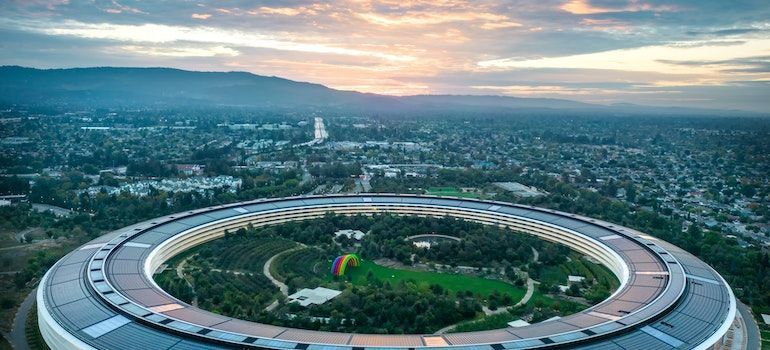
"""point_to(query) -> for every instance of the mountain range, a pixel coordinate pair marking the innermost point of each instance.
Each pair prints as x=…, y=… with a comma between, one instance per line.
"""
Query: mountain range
x=130, y=87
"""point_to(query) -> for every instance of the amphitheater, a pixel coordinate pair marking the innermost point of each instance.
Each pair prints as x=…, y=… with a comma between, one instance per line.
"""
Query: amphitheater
x=102, y=295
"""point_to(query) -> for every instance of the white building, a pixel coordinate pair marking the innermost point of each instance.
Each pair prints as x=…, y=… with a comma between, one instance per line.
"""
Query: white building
x=350, y=234
x=317, y=296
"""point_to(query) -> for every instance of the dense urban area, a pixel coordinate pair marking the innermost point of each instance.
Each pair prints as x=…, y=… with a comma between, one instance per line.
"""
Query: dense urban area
x=67, y=176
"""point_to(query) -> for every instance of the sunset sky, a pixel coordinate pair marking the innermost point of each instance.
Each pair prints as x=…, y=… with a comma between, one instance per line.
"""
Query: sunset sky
x=703, y=53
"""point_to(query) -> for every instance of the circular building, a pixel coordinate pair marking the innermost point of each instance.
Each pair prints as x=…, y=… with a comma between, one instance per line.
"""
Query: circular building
x=102, y=295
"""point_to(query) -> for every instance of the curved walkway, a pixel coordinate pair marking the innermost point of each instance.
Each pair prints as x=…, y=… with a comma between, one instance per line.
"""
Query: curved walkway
x=432, y=235
x=281, y=286
x=528, y=294
x=524, y=300
x=530, y=282
x=18, y=335
x=180, y=274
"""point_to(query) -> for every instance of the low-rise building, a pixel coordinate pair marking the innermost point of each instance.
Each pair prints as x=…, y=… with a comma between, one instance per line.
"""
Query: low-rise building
x=317, y=296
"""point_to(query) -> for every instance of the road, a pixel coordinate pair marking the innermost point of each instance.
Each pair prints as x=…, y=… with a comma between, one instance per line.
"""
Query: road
x=320, y=134
x=58, y=211
x=21, y=236
x=18, y=335
x=752, y=330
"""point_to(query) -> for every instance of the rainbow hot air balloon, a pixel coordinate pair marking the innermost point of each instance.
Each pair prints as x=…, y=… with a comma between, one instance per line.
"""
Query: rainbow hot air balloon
x=342, y=262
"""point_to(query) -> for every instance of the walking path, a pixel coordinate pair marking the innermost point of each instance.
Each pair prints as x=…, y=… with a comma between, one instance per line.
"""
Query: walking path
x=446, y=329
x=18, y=335
x=530, y=282
x=281, y=286
x=180, y=274
x=528, y=294
x=752, y=337
x=524, y=300
x=432, y=235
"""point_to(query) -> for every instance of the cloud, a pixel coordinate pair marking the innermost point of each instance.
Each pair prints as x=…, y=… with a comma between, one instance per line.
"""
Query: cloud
x=584, y=7
x=728, y=32
x=120, y=8
x=431, y=18
x=174, y=51
x=308, y=10
x=736, y=31
x=606, y=24
x=655, y=58
x=284, y=11
x=754, y=64
x=155, y=33
x=585, y=49
x=500, y=25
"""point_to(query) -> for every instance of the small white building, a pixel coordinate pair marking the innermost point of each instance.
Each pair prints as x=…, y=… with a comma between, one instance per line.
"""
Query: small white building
x=571, y=279
x=392, y=173
x=350, y=234
x=317, y=296
x=518, y=323
x=575, y=279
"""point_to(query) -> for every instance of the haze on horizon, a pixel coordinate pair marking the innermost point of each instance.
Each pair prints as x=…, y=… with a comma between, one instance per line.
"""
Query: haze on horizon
x=692, y=53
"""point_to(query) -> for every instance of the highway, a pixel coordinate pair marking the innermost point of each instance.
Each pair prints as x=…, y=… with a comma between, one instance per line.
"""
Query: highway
x=319, y=134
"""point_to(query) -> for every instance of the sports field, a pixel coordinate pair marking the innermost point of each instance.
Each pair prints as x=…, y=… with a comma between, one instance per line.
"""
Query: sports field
x=450, y=282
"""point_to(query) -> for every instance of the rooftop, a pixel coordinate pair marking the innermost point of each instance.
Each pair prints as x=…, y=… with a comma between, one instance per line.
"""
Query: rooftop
x=317, y=296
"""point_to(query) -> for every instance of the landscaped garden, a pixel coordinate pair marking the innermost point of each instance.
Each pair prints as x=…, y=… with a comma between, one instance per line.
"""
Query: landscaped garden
x=395, y=284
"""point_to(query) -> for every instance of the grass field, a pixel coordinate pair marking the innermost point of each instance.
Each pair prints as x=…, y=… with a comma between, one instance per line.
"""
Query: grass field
x=450, y=282
x=451, y=191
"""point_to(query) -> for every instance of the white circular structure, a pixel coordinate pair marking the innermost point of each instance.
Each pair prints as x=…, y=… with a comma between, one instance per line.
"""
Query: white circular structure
x=103, y=295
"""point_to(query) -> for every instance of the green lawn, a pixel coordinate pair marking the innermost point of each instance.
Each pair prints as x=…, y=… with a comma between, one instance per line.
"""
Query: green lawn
x=451, y=191
x=450, y=282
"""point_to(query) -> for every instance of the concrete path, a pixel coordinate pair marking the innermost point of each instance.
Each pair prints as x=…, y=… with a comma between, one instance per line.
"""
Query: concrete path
x=432, y=235
x=488, y=312
x=752, y=330
x=58, y=211
x=530, y=282
x=281, y=286
x=180, y=274
x=21, y=236
x=446, y=329
x=266, y=270
x=528, y=294
x=18, y=335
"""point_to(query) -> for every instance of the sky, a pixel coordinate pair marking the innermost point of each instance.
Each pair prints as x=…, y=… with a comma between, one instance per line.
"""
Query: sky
x=693, y=53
